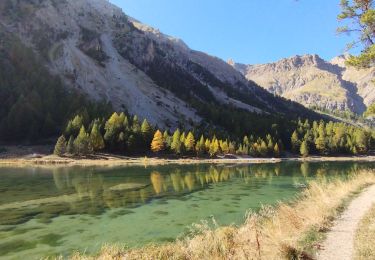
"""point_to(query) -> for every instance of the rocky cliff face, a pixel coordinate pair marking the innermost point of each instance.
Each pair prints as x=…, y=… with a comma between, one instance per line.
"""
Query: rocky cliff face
x=95, y=48
x=315, y=82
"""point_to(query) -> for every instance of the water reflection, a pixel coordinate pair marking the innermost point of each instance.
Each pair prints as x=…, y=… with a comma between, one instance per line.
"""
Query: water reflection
x=93, y=190
x=137, y=205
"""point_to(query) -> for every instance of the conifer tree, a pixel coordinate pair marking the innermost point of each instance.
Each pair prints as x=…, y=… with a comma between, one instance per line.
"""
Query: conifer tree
x=167, y=139
x=60, y=147
x=232, y=148
x=321, y=144
x=96, y=138
x=214, y=147
x=69, y=128
x=146, y=129
x=136, y=126
x=70, y=145
x=157, y=143
x=76, y=125
x=82, y=143
x=270, y=146
x=112, y=128
x=200, y=146
x=224, y=146
x=304, y=149
x=295, y=142
x=190, y=142
x=246, y=141
x=207, y=145
x=263, y=149
x=176, y=142
x=276, y=150
x=121, y=141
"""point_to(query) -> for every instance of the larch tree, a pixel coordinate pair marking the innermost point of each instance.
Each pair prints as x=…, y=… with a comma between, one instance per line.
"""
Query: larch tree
x=190, y=142
x=214, y=147
x=360, y=17
x=295, y=142
x=263, y=149
x=76, y=124
x=276, y=150
x=82, y=144
x=60, y=147
x=157, y=144
x=304, y=149
x=96, y=138
x=167, y=139
x=112, y=128
x=146, y=130
x=176, y=142
x=70, y=145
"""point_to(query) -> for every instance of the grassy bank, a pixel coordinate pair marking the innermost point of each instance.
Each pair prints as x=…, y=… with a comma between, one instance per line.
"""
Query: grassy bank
x=287, y=231
x=365, y=237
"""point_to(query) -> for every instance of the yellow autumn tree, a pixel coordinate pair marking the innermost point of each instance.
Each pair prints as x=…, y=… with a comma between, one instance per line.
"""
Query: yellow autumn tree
x=157, y=143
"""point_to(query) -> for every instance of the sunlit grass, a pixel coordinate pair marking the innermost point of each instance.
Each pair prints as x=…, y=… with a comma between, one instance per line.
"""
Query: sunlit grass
x=364, y=242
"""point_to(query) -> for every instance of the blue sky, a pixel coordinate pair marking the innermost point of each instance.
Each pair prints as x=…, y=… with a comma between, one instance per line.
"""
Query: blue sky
x=248, y=31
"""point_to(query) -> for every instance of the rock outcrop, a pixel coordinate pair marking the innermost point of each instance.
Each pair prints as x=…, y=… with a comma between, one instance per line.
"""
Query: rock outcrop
x=314, y=82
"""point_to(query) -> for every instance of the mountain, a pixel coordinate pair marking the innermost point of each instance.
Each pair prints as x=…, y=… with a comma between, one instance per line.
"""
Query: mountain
x=97, y=50
x=314, y=82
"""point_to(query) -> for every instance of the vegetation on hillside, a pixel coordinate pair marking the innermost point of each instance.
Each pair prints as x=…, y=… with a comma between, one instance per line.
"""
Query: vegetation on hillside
x=126, y=134
x=35, y=104
x=370, y=111
x=331, y=138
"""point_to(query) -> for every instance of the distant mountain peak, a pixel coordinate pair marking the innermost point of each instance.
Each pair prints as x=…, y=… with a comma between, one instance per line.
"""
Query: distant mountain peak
x=314, y=82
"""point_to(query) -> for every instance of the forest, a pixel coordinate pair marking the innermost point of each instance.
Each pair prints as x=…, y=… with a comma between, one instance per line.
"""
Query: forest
x=125, y=134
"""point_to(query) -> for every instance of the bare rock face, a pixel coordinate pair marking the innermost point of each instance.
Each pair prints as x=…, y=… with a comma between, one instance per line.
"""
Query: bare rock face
x=95, y=48
x=315, y=82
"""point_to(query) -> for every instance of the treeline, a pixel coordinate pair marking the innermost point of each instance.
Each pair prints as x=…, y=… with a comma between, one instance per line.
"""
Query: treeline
x=125, y=134
x=330, y=138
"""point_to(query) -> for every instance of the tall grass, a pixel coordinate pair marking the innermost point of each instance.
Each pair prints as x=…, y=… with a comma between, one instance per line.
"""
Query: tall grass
x=364, y=243
x=286, y=231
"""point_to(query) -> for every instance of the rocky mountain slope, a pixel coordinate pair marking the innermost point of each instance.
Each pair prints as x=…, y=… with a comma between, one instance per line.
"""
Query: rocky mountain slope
x=96, y=49
x=315, y=82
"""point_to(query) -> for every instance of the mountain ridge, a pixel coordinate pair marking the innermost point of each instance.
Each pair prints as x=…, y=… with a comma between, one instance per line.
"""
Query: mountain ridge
x=312, y=81
x=95, y=48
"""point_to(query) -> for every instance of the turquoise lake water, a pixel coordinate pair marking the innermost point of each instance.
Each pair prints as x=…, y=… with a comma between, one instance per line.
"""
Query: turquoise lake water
x=49, y=212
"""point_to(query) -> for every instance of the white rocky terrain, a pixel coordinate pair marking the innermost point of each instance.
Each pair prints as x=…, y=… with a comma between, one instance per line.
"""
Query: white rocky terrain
x=314, y=82
x=97, y=49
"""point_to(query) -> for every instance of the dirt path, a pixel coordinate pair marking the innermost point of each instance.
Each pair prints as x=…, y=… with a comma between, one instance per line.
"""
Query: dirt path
x=340, y=239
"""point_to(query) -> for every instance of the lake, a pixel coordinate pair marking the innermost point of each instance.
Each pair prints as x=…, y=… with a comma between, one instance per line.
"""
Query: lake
x=49, y=212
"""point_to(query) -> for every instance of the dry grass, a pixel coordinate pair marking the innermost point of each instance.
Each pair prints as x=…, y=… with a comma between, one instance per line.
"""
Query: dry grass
x=364, y=242
x=274, y=233
x=111, y=160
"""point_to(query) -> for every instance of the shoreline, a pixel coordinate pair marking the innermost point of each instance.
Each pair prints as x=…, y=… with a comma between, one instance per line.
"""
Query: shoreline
x=110, y=160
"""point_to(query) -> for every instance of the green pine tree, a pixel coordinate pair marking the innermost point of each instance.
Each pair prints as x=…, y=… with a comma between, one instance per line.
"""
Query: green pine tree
x=60, y=147
x=304, y=149
x=70, y=146
x=96, y=138
x=295, y=142
x=82, y=144
x=176, y=142
x=276, y=150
